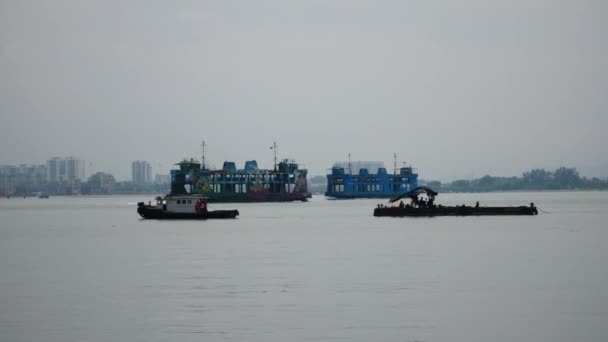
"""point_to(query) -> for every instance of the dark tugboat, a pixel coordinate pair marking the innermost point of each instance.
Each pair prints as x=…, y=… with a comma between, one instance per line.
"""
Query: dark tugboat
x=421, y=207
x=182, y=207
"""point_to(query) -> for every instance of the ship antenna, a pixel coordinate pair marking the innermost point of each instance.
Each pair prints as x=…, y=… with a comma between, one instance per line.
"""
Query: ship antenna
x=274, y=147
x=203, y=145
x=350, y=171
x=395, y=163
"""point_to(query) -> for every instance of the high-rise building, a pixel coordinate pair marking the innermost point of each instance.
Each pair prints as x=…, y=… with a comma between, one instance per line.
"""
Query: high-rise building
x=8, y=175
x=7, y=185
x=74, y=168
x=68, y=169
x=52, y=169
x=141, y=172
x=31, y=177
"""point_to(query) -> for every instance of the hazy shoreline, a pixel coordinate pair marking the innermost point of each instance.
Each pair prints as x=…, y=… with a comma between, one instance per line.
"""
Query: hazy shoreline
x=321, y=195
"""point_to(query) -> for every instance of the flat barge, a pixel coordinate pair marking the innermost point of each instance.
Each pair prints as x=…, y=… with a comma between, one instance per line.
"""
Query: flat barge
x=440, y=210
x=421, y=207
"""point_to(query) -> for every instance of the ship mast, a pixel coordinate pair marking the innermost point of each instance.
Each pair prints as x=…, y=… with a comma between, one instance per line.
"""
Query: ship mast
x=274, y=147
x=203, y=145
x=350, y=171
x=395, y=164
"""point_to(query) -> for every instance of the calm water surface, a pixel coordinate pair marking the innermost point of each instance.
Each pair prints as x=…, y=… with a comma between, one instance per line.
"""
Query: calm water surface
x=88, y=269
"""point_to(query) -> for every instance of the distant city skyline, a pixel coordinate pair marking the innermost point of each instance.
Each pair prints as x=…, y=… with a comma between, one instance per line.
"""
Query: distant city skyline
x=125, y=173
x=65, y=169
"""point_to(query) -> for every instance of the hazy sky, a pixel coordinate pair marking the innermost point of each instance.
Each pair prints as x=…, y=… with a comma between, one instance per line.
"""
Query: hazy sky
x=457, y=88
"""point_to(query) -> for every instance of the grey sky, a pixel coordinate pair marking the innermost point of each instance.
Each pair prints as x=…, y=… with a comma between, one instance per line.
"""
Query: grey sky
x=457, y=88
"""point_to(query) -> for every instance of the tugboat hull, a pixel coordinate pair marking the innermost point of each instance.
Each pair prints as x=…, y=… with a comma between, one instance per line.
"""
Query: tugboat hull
x=148, y=212
x=454, y=211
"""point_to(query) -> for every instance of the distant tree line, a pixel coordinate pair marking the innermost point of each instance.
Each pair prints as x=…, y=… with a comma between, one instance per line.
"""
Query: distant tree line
x=563, y=178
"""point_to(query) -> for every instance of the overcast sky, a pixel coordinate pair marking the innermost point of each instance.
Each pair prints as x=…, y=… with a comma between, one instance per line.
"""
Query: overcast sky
x=456, y=88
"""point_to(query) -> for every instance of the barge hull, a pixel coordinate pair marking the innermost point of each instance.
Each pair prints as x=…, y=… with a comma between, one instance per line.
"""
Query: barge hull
x=454, y=211
x=258, y=197
x=158, y=214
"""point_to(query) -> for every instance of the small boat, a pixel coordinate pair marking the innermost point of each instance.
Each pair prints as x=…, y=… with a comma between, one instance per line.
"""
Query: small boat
x=429, y=208
x=43, y=195
x=182, y=207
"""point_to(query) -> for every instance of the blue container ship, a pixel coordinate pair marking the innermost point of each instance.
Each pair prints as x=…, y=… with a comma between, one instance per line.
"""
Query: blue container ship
x=343, y=183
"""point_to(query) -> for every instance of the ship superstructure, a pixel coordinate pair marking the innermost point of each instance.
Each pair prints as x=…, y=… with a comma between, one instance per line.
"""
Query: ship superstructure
x=287, y=182
x=343, y=181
